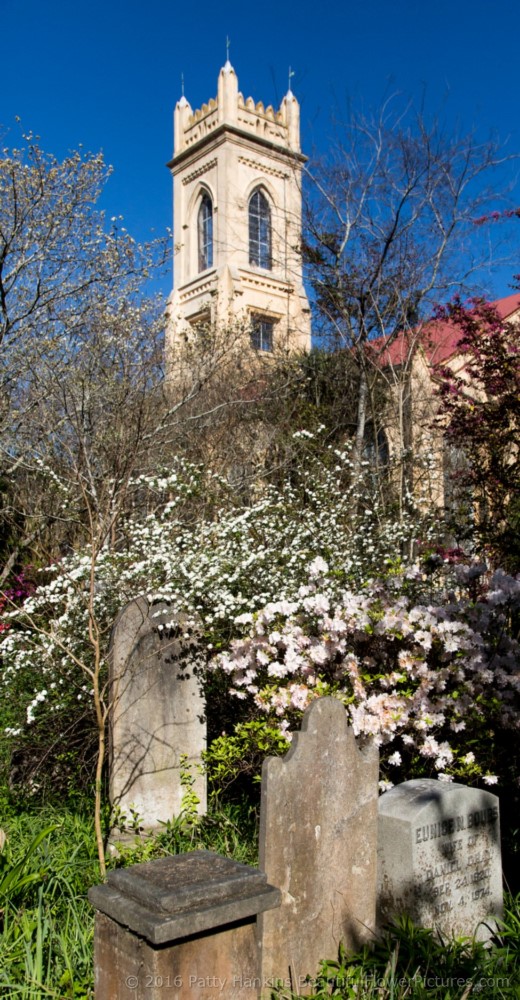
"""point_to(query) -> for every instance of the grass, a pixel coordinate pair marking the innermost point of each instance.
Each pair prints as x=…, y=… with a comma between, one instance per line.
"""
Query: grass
x=47, y=922
x=49, y=862
x=412, y=963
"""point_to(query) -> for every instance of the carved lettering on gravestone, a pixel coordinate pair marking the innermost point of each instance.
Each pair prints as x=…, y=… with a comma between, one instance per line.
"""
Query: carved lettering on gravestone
x=318, y=845
x=439, y=857
x=158, y=713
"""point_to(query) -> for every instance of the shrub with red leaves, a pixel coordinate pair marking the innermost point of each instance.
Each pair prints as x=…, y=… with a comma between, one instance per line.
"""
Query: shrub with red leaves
x=480, y=407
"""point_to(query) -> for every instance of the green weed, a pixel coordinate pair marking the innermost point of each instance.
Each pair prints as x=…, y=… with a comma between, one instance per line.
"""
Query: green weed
x=413, y=963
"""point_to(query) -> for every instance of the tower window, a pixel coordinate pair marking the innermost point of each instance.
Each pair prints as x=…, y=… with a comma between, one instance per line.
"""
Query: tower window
x=262, y=333
x=205, y=233
x=259, y=231
x=375, y=447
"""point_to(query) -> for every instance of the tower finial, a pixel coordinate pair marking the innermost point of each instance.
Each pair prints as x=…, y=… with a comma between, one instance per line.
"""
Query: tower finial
x=228, y=67
x=291, y=74
x=183, y=102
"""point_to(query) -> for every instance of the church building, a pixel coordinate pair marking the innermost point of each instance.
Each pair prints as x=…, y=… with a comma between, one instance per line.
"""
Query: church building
x=236, y=170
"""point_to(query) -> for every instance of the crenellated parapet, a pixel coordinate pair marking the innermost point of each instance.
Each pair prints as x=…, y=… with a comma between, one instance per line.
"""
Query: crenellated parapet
x=281, y=127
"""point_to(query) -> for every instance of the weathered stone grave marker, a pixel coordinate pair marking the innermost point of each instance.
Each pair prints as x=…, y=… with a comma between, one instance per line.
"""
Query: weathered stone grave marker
x=158, y=714
x=439, y=857
x=182, y=927
x=318, y=845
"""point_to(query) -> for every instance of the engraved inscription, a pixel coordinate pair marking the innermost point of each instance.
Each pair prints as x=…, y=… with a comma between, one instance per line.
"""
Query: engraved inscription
x=439, y=857
x=447, y=827
x=454, y=860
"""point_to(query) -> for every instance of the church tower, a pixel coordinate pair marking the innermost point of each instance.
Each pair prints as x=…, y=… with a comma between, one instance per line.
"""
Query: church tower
x=237, y=220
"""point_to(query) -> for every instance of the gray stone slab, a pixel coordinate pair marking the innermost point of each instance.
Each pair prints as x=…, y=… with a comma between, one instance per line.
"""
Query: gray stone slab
x=318, y=844
x=172, y=884
x=175, y=897
x=158, y=713
x=440, y=858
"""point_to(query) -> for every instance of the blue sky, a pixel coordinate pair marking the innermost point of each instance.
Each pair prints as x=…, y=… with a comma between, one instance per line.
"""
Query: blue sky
x=108, y=74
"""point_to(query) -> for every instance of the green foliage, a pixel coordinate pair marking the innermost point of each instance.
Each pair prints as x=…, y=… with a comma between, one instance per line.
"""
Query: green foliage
x=316, y=392
x=14, y=877
x=47, y=940
x=241, y=754
x=230, y=829
x=126, y=822
x=190, y=801
x=414, y=963
x=46, y=944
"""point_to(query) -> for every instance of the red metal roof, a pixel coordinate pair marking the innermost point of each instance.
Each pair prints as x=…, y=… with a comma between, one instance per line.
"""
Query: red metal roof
x=438, y=339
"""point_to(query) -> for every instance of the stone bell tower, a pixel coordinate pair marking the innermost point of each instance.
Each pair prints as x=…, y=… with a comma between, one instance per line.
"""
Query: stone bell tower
x=237, y=220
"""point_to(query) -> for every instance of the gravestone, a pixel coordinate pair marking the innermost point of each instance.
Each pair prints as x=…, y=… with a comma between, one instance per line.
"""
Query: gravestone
x=158, y=726
x=439, y=857
x=318, y=845
x=182, y=927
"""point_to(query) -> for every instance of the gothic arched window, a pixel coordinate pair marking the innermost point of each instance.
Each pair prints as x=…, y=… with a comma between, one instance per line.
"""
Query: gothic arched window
x=205, y=233
x=259, y=231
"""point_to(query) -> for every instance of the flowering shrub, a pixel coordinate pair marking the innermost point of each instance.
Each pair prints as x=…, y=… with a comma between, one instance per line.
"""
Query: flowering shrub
x=14, y=596
x=426, y=673
x=424, y=678
x=205, y=555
